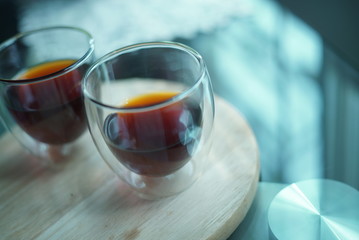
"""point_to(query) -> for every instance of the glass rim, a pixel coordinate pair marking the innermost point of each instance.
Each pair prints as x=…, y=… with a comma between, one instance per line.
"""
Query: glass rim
x=61, y=72
x=160, y=44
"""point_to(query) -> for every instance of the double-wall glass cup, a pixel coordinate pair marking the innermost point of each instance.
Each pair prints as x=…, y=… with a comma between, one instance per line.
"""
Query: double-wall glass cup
x=150, y=109
x=40, y=89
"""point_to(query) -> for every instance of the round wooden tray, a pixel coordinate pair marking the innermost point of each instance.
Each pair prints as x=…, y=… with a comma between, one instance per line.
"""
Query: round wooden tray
x=83, y=199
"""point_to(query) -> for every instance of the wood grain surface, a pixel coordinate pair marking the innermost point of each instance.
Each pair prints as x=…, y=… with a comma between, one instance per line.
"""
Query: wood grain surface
x=82, y=199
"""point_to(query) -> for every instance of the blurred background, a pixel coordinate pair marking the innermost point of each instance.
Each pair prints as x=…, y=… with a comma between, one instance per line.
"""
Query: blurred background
x=291, y=67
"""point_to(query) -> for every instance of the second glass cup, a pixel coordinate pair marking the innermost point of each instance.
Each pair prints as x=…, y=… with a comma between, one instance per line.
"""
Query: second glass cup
x=150, y=110
x=40, y=88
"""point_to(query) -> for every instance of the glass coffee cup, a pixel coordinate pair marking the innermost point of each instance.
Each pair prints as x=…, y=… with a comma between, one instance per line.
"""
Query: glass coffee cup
x=150, y=109
x=40, y=84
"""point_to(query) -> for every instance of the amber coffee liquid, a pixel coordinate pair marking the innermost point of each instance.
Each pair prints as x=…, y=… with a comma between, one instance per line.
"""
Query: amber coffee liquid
x=154, y=142
x=50, y=111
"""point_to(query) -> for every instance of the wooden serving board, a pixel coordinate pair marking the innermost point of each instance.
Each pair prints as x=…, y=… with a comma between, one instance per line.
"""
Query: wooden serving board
x=82, y=198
